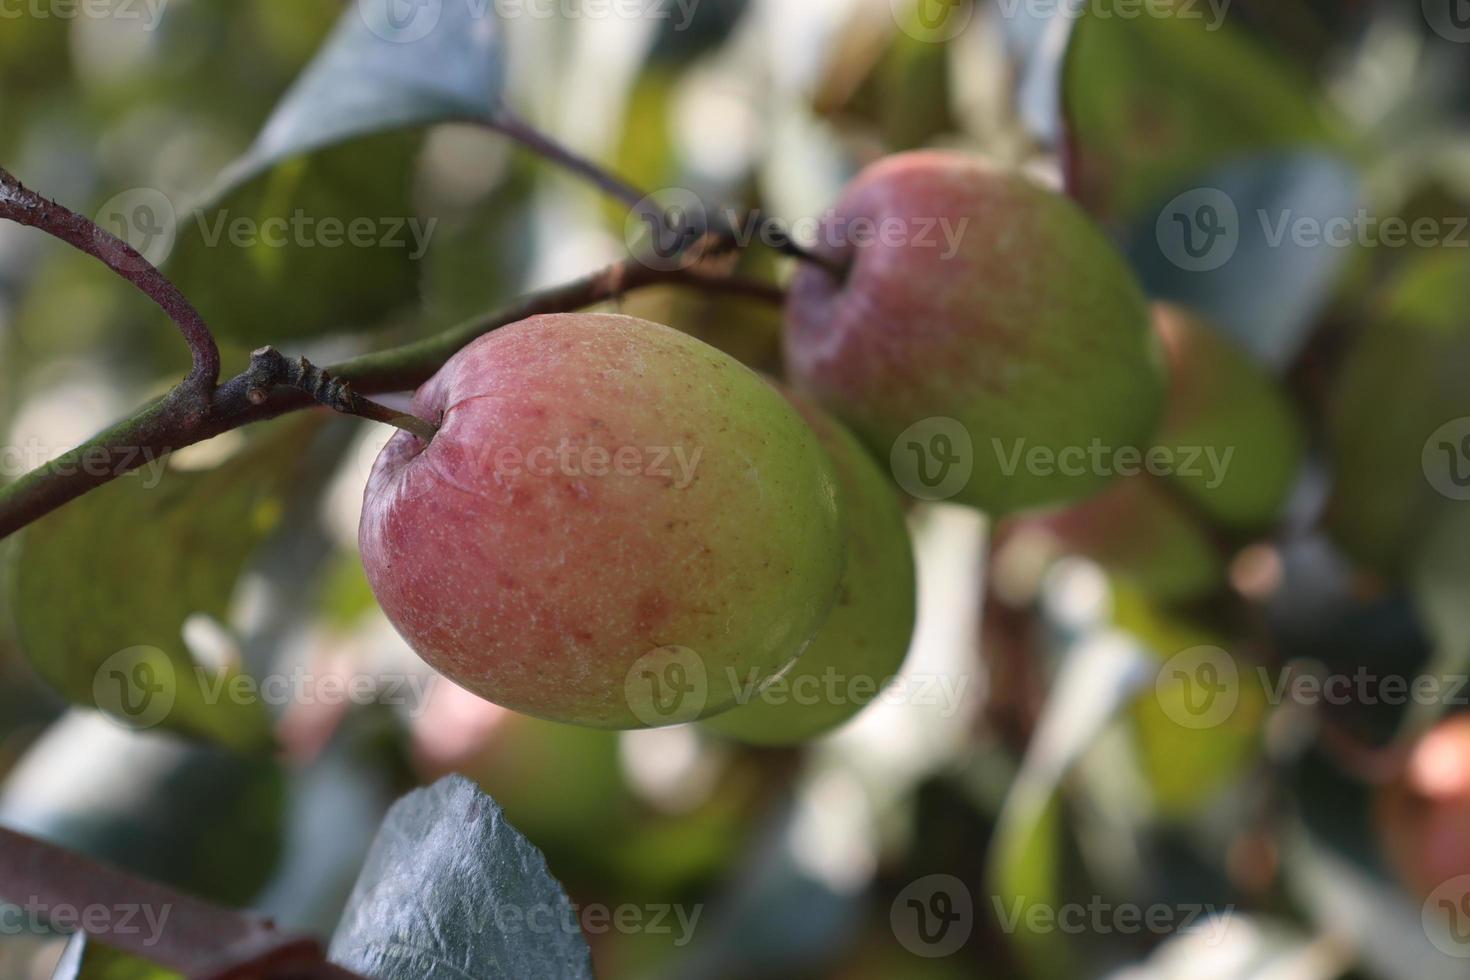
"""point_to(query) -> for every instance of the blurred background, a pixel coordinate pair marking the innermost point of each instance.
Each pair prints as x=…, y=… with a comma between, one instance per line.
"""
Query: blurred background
x=1131, y=741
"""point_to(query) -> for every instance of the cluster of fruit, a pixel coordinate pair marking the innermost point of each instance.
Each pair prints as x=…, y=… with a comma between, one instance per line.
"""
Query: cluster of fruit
x=617, y=525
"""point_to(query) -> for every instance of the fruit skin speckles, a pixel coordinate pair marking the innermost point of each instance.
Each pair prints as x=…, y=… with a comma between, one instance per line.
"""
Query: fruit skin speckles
x=538, y=582
x=1021, y=321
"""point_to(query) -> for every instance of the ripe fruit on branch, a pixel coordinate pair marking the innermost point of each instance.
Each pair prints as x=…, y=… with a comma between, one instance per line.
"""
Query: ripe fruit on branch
x=864, y=641
x=975, y=295
x=1424, y=815
x=615, y=525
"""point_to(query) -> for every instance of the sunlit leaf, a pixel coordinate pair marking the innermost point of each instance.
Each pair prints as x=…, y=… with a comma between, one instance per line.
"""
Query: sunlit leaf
x=451, y=890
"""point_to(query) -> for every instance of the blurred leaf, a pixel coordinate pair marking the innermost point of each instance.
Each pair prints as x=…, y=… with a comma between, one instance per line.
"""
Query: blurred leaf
x=334, y=805
x=1399, y=400
x=380, y=72
x=103, y=587
x=451, y=890
x=1099, y=676
x=1187, y=766
x=1244, y=244
x=87, y=959
x=336, y=156
x=1140, y=532
x=1342, y=898
x=1152, y=102
x=198, y=817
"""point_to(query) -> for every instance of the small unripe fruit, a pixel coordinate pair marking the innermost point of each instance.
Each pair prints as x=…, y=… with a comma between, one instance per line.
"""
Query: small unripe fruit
x=1225, y=456
x=979, y=297
x=863, y=642
x=614, y=525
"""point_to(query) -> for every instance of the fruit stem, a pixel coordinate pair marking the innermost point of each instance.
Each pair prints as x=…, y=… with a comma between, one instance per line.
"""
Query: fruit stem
x=782, y=242
x=269, y=368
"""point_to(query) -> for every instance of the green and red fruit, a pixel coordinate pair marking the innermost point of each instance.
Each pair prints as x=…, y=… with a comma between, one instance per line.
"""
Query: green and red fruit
x=971, y=294
x=864, y=641
x=614, y=525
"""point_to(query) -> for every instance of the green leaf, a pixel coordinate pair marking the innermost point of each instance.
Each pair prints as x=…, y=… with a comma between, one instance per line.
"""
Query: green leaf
x=1153, y=101
x=270, y=258
x=1099, y=678
x=103, y=586
x=1396, y=470
x=451, y=890
x=379, y=72
x=87, y=959
x=272, y=255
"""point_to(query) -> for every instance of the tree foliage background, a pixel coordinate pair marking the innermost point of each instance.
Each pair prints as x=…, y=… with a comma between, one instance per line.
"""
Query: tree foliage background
x=1038, y=777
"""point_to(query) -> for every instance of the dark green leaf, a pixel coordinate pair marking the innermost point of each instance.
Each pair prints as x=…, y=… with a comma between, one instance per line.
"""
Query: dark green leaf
x=102, y=587
x=273, y=254
x=1153, y=101
x=451, y=890
x=271, y=259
